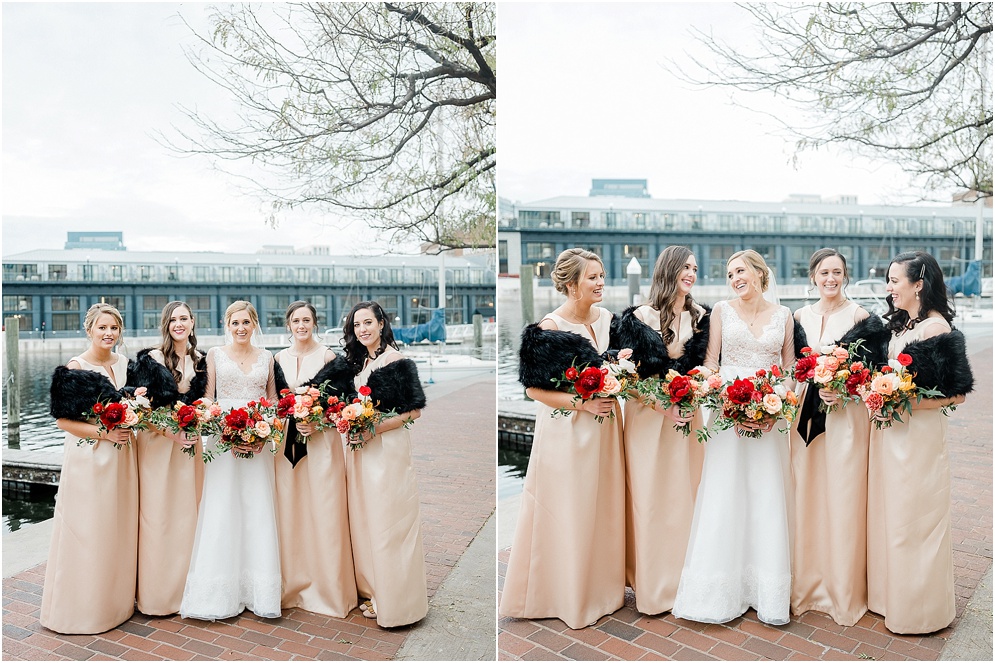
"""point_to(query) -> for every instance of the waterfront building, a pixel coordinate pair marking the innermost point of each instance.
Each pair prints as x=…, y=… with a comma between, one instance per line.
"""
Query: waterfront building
x=622, y=227
x=52, y=289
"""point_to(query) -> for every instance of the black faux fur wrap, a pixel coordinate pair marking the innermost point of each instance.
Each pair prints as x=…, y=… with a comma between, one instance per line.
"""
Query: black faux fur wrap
x=144, y=371
x=397, y=387
x=648, y=349
x=545, y=354
x=339, y=375
x=279, y=378
x=74, y=392
x=874, y=351
x=800, y=337
x=941, y=363
x=198, y=385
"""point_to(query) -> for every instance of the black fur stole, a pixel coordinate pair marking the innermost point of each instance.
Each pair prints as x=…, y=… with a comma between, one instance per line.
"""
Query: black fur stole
x=74, y=392
x=545, y=354
x=144, y=371
x=648, y=349
x=800, y=337
x=279, y=378
x=396, y=387
x=941, y=363
x=198, y=385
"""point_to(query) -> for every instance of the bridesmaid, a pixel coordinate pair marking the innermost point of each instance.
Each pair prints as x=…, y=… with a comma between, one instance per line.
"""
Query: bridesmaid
x=910, y=573
x=170, y=482
x=662, y=466
x=312, y=515
x=92, y=562
x=384, y=515
x=829, y=457
x=568, y=557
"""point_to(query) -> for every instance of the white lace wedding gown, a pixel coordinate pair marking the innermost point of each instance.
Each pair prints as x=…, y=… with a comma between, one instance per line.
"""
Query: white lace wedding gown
x=236, y=554
x=738, y=555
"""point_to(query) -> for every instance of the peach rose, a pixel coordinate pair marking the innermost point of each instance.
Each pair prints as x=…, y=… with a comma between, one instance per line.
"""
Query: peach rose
x=612, y=386
x=824, y=374
x=301, y=410
x=352, y=411
x=772, y=403
x=263, y=429
x=130, y=418
x=831, y=362
x=625, y=353
x=883, y=384
x=714, y=381
x=841, y=353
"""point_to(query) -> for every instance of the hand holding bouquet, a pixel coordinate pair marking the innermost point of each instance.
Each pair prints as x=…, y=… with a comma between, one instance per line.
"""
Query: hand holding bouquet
x=245, y=430
x=202, y=417
x=358, y=420
x=613, y=379
x=755, y=403
x=130, y=414
x=889, y=392
x=834, y=370
x=304, y=405
x=685, y=392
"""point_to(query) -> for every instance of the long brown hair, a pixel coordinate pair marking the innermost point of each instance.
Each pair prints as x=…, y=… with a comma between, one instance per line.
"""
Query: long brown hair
x=167, y=346
x=664, y=292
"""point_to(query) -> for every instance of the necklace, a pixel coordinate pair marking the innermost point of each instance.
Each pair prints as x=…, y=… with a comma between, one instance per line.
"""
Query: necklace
x=755, y=315
x=242, y=357
x=576, y=319
x=826, y=313
x=303, y=351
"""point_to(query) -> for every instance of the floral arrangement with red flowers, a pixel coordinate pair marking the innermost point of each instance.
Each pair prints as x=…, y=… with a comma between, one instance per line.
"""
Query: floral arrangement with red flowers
x=246, y=430
x=761, y=399
x=688, y=392
x=131, y=413
x=354, y=419
x=202, y=417
x=612, y=379
x=890, y=391
x=833, y=369
x=304, y=404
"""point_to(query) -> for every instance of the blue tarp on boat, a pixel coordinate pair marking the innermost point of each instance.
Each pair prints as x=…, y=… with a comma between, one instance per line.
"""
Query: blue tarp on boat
x=434, y=330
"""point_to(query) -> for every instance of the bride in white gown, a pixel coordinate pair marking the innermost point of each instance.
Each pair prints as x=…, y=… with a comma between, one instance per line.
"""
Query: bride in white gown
x=236, y=555
x=738, y=555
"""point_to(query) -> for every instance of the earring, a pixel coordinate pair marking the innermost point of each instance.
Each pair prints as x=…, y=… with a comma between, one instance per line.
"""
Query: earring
x=917, y=295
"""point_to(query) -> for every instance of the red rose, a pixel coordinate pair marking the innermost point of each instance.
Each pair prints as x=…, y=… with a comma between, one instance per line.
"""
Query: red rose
x=284, y=392
x=112, y=415
x=186, y=416
x=590, y=382
x=694, y=371
x=98, y=408
x=806, y=350
x=886, y=369
x=766, y=388
x=679, y=388
x=365, y=391
x=761, y=373
x=237, y=419
x=805, y=368
x=904, y=359
x=571, y=374
x=874, y=402
x=285, y=406
x=264, y=402
x=776, y=370
x=740, y=392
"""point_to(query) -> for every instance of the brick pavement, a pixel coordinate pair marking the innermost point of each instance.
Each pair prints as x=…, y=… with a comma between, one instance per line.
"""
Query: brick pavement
x=628, y=635
x=455, y=466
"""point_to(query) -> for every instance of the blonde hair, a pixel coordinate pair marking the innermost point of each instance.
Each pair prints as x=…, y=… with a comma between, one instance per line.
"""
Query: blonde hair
x=241, y=305
x=756, y=262
x=98, y=310
x=569, y=267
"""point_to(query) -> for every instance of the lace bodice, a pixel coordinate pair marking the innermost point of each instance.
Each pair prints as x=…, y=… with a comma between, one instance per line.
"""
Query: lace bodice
x=740, y=348
x=233, y=384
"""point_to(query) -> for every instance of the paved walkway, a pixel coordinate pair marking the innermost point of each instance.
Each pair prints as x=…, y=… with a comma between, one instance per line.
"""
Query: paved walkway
x=454, y=454
x=628, y=635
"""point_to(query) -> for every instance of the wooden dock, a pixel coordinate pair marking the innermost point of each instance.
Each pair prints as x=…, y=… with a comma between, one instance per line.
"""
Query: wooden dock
x=32, y=467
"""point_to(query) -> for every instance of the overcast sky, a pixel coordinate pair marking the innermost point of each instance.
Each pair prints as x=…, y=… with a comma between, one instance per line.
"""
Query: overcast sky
x=584, y=95
x=85, y=88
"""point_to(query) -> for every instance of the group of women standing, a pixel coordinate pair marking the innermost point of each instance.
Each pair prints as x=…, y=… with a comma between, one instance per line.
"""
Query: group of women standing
x=316, y=527
x=830, y=516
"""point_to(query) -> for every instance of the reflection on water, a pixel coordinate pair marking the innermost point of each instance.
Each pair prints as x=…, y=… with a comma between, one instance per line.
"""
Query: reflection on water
x=21, y=509
x=511, y=470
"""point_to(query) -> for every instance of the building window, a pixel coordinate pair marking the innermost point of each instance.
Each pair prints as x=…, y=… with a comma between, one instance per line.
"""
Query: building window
x=20, y=272
x=173, y=273
x=275, y=310
x=717, y=256
x=348, y=275
x=65, y=322
x=146, y=272
x=13, y=304
x=116, y=272
x=253, y=274
x=420, y=310
x=65, y=303
x=455, y=313
x=769, y=253
x=200, y=306
x=580, y=219
x=539, y=219
x=86, y=272
x=227, y=274
x=535, y=251
x=611, y=219
x=58, y=272
x=154, y=302
x=120, y=302
x=303, y=275
x=201, y=274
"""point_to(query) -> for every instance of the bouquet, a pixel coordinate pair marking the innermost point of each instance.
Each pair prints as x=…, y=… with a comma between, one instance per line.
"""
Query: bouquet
x=245, y=430
x=688, y=392
x=128, y=413
x=889, y=392
x=833, y=369
x=356, y=418
x=761, y=399
x=303, y=404
x=202, y=417
x=613, y=379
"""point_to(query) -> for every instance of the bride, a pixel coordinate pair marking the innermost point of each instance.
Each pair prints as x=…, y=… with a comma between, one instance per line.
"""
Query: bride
x=738, y=555
x=236, y=557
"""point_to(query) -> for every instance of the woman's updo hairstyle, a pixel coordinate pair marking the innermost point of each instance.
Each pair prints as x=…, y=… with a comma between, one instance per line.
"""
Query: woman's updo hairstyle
x=756, y=262
x=570, y=266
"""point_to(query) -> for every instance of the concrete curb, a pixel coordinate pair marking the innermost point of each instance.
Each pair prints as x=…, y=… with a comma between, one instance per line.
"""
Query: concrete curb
x=27, y=547
x=461, y=624
x=971, y=639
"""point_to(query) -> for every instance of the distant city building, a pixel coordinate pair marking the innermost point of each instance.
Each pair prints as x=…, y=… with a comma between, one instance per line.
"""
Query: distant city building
x=626, y=188
x=55, y=288
x=619, y=228
x=99, y=241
